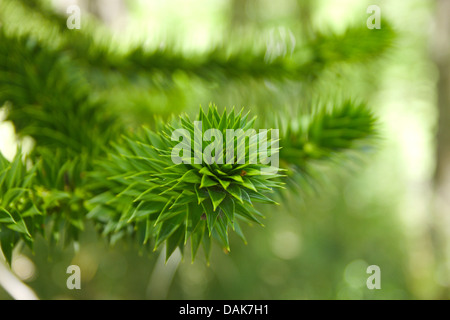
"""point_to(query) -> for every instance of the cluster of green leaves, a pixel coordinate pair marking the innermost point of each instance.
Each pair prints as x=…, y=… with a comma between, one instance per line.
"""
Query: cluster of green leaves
x=172, y=203
x=39, y=199
x=60, y=188
x=139, y=191
x=18, y=213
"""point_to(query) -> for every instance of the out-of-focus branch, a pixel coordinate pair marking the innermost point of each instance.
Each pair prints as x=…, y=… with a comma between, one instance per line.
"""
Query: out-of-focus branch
x=162, y=275
x=442, y=59
x=356, y=45
x=441, y=56
x=16, y=288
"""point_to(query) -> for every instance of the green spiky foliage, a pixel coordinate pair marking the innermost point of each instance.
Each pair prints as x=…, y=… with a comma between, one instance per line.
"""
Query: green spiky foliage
x=39, y=200
x=325, y=135
x=57, y=85
x=176, y=202
x=39, y=81
x=60, y=191
x=357, y=44
x=19, y=217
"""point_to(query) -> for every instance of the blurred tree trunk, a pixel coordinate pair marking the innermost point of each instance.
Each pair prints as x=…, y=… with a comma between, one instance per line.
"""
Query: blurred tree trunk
x=305, y=9
x=243, y=15
x=239, y=16
x=441, y=56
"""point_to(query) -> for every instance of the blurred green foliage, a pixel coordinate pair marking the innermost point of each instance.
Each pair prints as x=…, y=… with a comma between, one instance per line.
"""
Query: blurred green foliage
x=75, y=92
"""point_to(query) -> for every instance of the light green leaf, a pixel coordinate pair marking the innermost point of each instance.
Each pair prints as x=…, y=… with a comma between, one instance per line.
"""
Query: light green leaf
x=227, y=206
x=207, y=182
x=196, y=238
x=216, y=197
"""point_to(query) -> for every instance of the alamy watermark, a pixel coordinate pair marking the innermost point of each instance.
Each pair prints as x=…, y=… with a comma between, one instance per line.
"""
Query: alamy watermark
x=374, y=21
x=258, y=147
x=74, y=280
x=374, y=281
x=74, y=19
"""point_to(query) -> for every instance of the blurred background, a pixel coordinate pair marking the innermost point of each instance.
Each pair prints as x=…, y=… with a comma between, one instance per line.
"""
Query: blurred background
x=389, y=210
